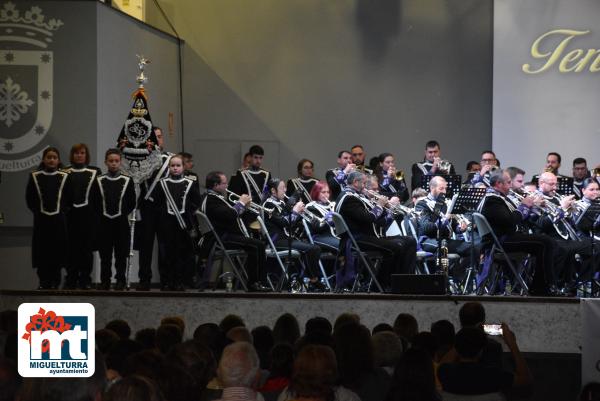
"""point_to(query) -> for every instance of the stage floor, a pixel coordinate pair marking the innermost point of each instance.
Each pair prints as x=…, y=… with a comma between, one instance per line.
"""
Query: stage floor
x=548, y=325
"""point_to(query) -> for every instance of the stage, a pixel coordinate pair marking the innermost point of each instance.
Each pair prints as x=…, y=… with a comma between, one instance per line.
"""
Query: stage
x=548, y=325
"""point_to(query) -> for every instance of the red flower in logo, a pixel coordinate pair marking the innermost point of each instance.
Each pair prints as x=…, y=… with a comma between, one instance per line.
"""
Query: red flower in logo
x=45, y=321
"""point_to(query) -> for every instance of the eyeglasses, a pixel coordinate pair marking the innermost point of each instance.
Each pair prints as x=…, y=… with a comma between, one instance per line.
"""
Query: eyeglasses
x=357, y=154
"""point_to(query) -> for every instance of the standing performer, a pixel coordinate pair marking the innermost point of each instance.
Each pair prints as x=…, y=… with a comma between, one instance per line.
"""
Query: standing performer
x=48, y=198
x=81, y=219
x=114, y=199
x=147, y=227
x=358, y=158
x=252, y=181
x=336, y=178
x=432, y=164
x=227, y=222
x=177, y=199
x=145, y=163
x=303, y=184
x=391, y=181
x=580, y=173
x=281, y=223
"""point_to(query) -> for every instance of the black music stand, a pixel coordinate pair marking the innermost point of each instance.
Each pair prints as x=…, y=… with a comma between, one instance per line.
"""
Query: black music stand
x=591, y=218
x=564, y=185
x=454, y=182
x=466, y=203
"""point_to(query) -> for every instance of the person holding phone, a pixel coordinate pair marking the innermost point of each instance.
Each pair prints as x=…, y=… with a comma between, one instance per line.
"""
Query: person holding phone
x=461, y=370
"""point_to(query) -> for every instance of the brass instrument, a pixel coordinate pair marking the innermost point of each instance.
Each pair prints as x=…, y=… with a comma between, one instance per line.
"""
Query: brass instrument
x=442, y=261
x=395, y=209
x=444, y=166
x=251, y=206
x=596, y=172
x=399, y=175
x=308, y=215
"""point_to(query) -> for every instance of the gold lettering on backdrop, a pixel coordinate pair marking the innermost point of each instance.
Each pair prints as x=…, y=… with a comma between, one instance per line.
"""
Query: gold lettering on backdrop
x=572, y=60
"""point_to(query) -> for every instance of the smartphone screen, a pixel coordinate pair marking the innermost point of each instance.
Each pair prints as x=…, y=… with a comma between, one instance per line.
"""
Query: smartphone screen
x=493, y=329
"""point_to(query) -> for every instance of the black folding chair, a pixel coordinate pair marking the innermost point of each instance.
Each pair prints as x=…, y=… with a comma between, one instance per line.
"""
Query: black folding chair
x=342, y=228
x=484, y=229
x=233, y=256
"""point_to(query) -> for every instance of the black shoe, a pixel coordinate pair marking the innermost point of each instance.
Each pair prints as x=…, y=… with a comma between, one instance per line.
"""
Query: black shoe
x=85, y=287
x=104, y=287
x=316, y=286
x=258, y=287
x=120, y=286
x=143, y=286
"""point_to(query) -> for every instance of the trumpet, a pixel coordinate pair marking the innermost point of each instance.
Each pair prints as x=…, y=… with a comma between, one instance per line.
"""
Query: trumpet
x=307, y=214
x=251, y=206
x=596, y=172
x=395, y=209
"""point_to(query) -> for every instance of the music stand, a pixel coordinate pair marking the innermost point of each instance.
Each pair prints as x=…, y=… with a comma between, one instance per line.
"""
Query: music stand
x=454, y=182
x=564, y=185
x=466, y=203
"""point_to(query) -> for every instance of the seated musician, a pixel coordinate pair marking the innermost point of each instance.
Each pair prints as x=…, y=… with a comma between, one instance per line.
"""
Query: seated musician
x=225, y=217
x=590, y=195
x=554, y=220
x=504, y=216
x=472, y=168
x=361, y=216
x=323, y=234
x=305, y=181
x=517, y=177
x=389, y=184
x=283, y=219
x=336, y=178
x=433, y=212
x=430, y=164
x=489, y=163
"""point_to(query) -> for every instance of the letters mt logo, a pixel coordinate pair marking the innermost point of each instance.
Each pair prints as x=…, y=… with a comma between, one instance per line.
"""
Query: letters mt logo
x=26, y=84
x=56, y=340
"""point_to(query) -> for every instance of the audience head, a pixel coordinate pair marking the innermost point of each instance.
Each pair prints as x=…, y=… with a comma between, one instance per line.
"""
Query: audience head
x=120, y=327
x=134, y=388
x=315, y=373
x=406, y=326
x=387, y=349
x=229, y=322
x=240, y=334
x=414, y=377
x=426, y=341
x=354, y=352
x=262, y=337
x=318, y=323
x=282, y=359
x=176, y=320
x=382, y=327
x=238, y=366
x=168, y=336
x=286, y=329
x=146, y=338
x=106, y=340
x=471, y=314
x=345, y=318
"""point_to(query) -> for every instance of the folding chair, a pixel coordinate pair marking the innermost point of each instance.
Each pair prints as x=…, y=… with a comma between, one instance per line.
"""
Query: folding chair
x=219, y=250
x=342, y=228
x=324, y=255
x=279, y=255
x=408, y=229
x=484, y=228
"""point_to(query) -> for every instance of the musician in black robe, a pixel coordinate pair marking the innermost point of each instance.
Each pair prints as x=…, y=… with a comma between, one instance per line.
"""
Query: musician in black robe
x=504, y=217
x=399, y=253
x=81, y=219
x=389, y=184
x=336, y=178
x=113, y=195
x=429, y=166
x=303, y=184
x=253, y=180
x=225, y=217
x=147, y=226
x=177, y=199
x=48, y=198
x=285, y=219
